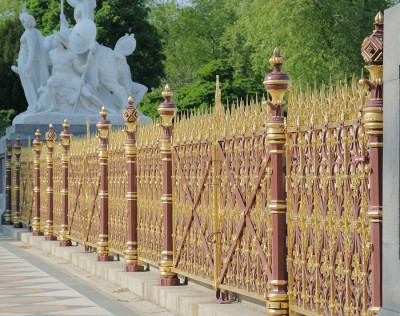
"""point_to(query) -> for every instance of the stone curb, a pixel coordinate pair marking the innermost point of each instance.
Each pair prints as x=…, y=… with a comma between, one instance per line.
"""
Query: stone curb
x=185, y=300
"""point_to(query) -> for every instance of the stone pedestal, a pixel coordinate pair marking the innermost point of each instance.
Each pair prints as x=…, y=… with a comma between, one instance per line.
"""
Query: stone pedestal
x=391, y=163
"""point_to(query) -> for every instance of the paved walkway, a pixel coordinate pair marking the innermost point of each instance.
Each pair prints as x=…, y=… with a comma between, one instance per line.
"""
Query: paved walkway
x=29, y=286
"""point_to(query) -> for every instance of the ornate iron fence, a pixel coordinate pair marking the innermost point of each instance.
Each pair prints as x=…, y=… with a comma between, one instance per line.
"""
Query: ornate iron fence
x=206, y=197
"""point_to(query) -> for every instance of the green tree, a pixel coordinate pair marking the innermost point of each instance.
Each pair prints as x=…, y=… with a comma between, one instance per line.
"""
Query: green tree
x=11, y=92
x=319, y=39
x=6, y=117
x=115, y=18
x=191, y=35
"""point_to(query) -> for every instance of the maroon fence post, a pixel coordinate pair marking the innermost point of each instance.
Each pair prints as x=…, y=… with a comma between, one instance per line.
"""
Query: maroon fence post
x=277, y=83
x=17, y=152
x=131, y=116
x=167, y=111
x=102, y=245
x=372, y=118
x=50, y=138
x=65, y=136
x=37, y=147
x=7, y=214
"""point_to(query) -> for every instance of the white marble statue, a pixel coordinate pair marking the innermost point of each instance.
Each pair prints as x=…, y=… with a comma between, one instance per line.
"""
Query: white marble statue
x=125, y=46
x=63, y=88
x=83, y=9
x=32, y=62
x=84, y=74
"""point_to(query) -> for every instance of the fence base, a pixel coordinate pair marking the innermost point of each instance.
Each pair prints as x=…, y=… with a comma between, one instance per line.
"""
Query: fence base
x=65, y=243
x=134, y=268
x=49, y=237
x=169, y=281
x=36, y=233
x=103, y=258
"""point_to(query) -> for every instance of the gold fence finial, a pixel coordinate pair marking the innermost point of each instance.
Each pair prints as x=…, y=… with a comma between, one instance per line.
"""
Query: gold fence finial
x=167, y=109
x=379, y=18
x=276, y=58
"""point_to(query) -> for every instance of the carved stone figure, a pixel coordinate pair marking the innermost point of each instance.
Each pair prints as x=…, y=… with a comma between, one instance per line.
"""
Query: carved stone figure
x=83, y=9
x=32, y=62
x=64, y=86
x=84, y=74
x=125, y=46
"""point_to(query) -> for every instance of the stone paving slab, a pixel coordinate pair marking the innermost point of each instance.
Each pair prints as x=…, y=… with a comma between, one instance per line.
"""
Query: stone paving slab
x=138, y=291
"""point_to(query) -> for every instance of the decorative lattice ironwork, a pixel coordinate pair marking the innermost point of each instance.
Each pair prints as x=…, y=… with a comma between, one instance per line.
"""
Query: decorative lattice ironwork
x=149, y=182
x=328, y=228
x=57, y=188
x=43, y=191
x=117, y=188
x=26, y=185
x=84, y=183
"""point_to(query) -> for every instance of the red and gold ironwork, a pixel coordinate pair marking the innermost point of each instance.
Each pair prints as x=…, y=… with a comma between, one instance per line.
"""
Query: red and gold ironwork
x=26, y=185
x=8, y=213
x=17, y=170
x=149, y=191
x=36, y=222
x=83, y=191
x=277, y=83
x=117, y=179
x=131, y=117
x=65, y=137
x=50, y=139
x=222, y=225
x=57, y=189
x=372, y=118
x=214, y=207
x=167, y=111
x=103, y=127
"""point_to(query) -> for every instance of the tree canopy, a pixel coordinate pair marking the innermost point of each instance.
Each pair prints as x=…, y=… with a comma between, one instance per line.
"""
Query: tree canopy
x=187, y=42
x=320, y=41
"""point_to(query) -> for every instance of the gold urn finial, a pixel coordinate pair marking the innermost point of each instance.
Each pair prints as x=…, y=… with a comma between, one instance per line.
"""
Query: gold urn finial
x=167, y=91
x=276, y=58
x=103, y=112
x=277, y=82
x=37, y=143
x=379, y=18
x=104, y=125
x=167, y=109
x=65, y=125
x=65, y=134
x=130, y=100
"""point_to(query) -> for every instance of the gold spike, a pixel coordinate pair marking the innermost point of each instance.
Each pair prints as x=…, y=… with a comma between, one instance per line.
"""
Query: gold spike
x=379, y=18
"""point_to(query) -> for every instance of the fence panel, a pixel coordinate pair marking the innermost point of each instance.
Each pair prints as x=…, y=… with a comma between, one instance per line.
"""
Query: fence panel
x=43, y=189
x=149, y=189
x=84, y=185
x=57, y=187
x=117, y=188
x=329, y=258
x=194, y=210
x=26, y=186
x=244, y=218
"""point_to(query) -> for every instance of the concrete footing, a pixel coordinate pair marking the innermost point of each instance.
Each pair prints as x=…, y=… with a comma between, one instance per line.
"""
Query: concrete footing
x=185, y=300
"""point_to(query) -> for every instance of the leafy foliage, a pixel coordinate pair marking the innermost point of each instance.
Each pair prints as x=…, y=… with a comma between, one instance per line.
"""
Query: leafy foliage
x=11, y=92
x=320, y=41
x=115, y=18
x=6, y=117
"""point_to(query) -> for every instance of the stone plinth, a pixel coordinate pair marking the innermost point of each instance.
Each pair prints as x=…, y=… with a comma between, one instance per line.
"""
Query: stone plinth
x=391, y=163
